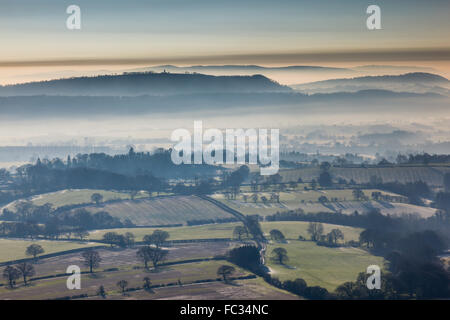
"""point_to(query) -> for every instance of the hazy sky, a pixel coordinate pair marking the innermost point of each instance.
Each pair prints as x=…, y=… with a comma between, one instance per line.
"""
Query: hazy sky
x=33, y=33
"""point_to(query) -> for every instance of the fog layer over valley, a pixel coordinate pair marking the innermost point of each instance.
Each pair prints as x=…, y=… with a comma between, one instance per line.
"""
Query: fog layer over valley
x=390, y=114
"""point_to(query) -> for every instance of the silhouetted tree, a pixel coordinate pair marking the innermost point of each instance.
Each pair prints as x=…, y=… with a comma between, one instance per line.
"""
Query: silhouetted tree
x=34, y=250
x=239, y=232
x=101, y=292
x=26, y=270
x=122, y=284
x=157, y=238
x=97, y=198
x=147, y=284
x=92, y=259
x=225, y=272
x=279, y=255
x=11, y=274
x=315, y=229
x=277, y=235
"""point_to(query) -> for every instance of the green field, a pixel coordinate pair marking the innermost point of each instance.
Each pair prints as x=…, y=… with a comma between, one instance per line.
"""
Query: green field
x=15, y=249
x=222, y=230
x=292, y=229
x=76, y=196
x=321, y=266
x=163, y=210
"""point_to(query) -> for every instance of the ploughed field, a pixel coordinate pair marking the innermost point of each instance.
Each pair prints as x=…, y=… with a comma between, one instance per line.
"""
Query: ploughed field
x=196, y=280
x=308, y=201
x=163, y=210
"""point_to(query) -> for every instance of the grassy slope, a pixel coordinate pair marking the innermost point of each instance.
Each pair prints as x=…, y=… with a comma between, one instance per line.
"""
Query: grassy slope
x=291, y=230
x=322, y=266
x=75, y=196
x=223, y=230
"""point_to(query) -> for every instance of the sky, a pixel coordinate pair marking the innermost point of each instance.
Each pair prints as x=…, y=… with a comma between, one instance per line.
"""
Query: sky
x=116, y=34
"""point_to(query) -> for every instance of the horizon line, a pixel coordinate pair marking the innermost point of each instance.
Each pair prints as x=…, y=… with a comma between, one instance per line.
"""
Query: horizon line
x=375, y=55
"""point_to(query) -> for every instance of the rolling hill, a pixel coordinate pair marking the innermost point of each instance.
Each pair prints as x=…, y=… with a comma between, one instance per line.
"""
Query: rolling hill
x=144, y=83
x=418, y=82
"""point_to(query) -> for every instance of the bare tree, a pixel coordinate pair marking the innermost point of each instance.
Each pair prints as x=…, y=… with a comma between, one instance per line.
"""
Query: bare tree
x=147, y=284
x=335, y=235
x=157, y=238
x=277, y=235
x=315, y=229
x=129, y=239
x=157, y=255
x=225, y=272
x=239, y=232
x=101, y=292
x=279, y=255
x=122, y=284
x=144, y=255
x=11, y=274
x=97, y=198
x=26, y=270
x=81, y=234
x=91, y=259
x=133, y=194
x=34, y=250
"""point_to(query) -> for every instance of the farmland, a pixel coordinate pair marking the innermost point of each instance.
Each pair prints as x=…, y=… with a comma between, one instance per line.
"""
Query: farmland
x=15, y=249
x=76, y=196
x=163, y=210
x=126, y=267
x=321, y=266
x=222, y=230
x=291, y=230
x=307, y=200
x=432, y=175
x=251, y=289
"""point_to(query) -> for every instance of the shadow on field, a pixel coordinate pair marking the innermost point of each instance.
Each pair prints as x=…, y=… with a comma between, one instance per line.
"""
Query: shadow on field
x=96, y=275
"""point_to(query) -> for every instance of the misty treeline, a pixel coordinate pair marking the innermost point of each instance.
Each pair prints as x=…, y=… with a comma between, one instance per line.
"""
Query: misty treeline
x=439, y=222
x=131, y=171
x=157, y=164
x=423, y=158
x=34, y=221
x=416, y=191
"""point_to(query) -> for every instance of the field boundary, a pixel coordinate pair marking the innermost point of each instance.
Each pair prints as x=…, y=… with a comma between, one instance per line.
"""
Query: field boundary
x=162, y=285
x=224, y=207
x=50, y=255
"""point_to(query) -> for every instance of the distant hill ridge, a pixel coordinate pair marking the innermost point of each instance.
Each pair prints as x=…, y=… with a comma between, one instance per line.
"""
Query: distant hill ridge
x=415, y=82
x=145, y=83
x=407, y=77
